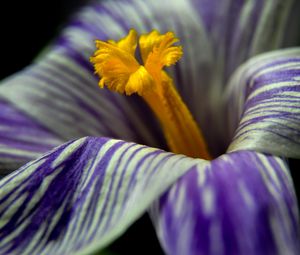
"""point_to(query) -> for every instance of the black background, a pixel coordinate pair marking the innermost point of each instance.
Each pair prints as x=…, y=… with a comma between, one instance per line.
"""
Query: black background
x=27, y=26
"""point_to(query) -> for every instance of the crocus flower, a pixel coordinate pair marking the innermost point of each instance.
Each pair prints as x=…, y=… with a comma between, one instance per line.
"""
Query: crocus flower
x=69, y=187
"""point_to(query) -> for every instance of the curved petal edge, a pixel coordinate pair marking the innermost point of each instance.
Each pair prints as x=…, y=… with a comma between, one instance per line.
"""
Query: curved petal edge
x=264, y=104
x=242, y=203
x=82, y=195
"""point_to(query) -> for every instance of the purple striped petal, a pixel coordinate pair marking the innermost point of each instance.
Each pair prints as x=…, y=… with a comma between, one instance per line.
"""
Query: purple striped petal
x=61, y=92
x=64, y=91
x=264, y=104
x=242, y=203
x=82, y=195
x=217, y=36
x=21, y=139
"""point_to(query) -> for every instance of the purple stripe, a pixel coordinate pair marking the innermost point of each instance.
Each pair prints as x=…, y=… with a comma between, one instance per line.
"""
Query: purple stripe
x=12, y=142
x=114, y=172
x=58, y=191
x=247, y=135
x=231, y=213
x=74, y=98
x=119, y=185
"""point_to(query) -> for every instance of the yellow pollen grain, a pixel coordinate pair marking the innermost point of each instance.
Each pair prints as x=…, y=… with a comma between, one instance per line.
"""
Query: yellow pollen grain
x=118, y=69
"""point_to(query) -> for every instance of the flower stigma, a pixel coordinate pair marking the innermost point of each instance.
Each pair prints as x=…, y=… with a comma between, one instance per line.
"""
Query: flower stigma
x=119, y=71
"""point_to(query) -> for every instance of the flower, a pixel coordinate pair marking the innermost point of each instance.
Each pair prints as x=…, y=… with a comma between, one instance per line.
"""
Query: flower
x=83, y=194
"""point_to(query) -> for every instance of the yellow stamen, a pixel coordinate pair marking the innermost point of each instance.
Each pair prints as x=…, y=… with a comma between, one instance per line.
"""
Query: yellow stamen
x=119, y=70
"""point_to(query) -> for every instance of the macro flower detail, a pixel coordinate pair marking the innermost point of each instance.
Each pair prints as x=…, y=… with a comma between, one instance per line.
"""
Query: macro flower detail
x=79, y=165
x=152, y=84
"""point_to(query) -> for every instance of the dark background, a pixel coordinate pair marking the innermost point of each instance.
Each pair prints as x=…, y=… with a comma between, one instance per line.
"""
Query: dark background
x=26, y=27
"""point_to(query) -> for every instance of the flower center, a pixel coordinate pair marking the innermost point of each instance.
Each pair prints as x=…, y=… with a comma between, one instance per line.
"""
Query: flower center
x=119, y=70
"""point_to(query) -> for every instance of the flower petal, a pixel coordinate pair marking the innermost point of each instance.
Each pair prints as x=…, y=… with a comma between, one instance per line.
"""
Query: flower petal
x=61, y=93
x=242, y=203
x=214, y=41
x=264, y=97
x=82, y=195
x=21, y=139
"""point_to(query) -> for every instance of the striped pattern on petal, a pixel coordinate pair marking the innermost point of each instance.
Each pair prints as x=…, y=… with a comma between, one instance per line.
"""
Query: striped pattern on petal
x=21, y=139
x=215, y=42
x=217, y=36
x=62, y=94
x=82, y=195
x=242, y=203
x=264, y=98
